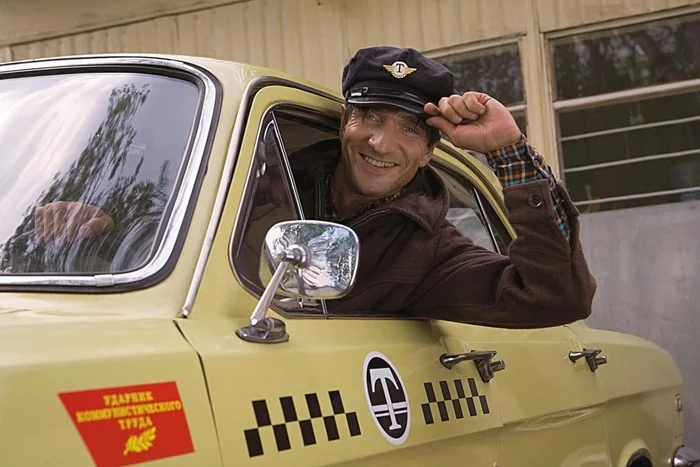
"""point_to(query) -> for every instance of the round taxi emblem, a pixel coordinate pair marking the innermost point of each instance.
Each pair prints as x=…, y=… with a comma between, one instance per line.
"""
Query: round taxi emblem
x=387, y=398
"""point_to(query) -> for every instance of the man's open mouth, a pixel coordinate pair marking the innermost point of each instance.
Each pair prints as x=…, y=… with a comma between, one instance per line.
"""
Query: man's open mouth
x=377, y=163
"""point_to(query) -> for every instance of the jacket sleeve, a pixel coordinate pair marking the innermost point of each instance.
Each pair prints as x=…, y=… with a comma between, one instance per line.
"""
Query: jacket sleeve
x=544, y=281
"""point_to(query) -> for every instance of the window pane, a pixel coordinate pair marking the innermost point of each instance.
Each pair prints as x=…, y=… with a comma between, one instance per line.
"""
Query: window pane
x=464, y=210
x=615, y=139
x=301, y=129
x=495, y=71
x=521, y=121
x=616, y=59
x=88, y=147
x=644, y=177
x=627, y=114
x=272, y=202
x=652, y=128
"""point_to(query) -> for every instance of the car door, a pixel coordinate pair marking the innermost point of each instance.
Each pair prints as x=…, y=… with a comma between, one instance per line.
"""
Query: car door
x=552, y=407
x=364, y=389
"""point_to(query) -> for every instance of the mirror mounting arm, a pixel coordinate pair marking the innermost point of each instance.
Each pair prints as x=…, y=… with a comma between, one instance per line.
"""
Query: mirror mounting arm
x=272, y=330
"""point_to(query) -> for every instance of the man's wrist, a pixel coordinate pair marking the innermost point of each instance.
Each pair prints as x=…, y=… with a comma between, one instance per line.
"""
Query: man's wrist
x=517, y=151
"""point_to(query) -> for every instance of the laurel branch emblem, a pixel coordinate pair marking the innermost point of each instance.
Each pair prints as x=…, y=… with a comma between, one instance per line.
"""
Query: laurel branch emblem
x=140, y=443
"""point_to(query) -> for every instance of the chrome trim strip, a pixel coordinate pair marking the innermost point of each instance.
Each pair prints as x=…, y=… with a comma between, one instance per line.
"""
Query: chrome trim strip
x=285, y=162
x=218, y=209
x=246, y=197
x=196, y=144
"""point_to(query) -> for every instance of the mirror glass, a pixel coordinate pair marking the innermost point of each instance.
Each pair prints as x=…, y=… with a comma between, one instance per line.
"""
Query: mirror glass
x=329, y=255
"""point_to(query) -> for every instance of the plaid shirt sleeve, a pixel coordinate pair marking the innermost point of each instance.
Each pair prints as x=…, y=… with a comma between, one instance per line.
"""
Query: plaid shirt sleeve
x=521, y=163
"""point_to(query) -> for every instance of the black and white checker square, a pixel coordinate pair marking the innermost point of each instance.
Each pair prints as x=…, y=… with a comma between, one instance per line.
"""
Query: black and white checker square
x=309, y=435
x=457, y=403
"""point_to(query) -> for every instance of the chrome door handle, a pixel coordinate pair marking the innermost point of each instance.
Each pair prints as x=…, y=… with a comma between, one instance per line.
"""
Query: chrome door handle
x=591, y=356
x=483, y=359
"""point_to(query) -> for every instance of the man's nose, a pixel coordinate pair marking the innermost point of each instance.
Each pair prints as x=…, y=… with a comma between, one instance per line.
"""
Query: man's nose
x=383, y=140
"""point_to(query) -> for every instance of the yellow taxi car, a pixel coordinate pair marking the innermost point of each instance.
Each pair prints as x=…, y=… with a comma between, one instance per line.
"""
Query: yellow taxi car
x=159, y=343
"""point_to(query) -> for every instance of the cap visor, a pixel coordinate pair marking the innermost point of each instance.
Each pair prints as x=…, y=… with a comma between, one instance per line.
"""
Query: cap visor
x=408, y=106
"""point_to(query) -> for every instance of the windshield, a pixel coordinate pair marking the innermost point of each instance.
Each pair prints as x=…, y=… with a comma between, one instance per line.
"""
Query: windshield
x=89, y=164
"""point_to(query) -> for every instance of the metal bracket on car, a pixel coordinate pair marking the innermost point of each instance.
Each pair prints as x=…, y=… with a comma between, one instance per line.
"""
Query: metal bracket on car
x=265, y=331
x=591, y=356
x=483, y=359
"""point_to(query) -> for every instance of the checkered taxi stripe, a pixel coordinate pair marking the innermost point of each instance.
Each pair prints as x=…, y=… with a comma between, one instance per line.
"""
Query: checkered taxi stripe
x=305, y=425
x=456, y=398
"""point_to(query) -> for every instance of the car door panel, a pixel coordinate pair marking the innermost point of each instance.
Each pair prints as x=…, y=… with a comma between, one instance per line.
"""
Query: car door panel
x=306, y=401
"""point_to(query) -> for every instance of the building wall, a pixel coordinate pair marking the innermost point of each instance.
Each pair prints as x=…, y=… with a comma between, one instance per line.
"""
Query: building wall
x=311, y=38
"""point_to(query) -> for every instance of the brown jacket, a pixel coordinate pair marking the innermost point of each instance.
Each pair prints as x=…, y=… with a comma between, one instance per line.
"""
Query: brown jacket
x=413, y=260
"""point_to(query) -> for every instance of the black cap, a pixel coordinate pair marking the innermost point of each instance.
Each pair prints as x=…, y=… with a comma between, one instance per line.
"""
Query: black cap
x=396, y=77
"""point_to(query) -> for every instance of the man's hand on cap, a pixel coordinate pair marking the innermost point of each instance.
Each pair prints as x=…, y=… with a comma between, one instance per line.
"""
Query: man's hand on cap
x=474, y=121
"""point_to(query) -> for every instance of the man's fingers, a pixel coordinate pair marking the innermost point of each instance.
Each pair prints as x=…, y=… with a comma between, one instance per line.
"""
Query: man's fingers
x=442, y=124
x=460, y=106
x=431, y=109
x=475, y=101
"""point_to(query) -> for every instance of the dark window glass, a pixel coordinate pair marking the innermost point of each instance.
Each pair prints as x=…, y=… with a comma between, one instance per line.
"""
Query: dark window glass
x=495, y=71
x=659, y=52
x=271, y=202
x=302, y=128
x=466, y=212
x=90, y=165
x=638, y=178
x=653, y=127
x=641, y=149
x=629, y=114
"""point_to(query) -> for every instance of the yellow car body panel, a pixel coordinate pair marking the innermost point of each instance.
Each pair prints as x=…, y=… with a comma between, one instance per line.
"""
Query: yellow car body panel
x=305, y=401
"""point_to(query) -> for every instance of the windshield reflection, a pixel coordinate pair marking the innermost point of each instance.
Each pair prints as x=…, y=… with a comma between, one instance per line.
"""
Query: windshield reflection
x=84, y=148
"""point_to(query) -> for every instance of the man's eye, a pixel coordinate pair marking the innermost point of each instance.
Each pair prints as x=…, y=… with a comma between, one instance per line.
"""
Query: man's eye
x=372, y=117
x=411, y=130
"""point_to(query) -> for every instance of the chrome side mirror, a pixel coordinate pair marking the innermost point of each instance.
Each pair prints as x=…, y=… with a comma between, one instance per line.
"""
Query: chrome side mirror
x=309, y=259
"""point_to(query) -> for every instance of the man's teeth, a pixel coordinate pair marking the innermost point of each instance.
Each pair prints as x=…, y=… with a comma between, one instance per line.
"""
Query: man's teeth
x=377, y=163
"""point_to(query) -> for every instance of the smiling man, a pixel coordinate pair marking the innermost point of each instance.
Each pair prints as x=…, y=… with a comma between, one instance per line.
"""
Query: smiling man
x=412, y=259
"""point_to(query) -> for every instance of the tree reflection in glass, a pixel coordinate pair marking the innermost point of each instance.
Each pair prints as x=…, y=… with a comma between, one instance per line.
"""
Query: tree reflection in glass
x=122, y=171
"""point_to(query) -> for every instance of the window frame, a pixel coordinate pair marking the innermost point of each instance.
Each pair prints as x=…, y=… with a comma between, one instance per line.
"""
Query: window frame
x=298, y=308
x=517, y=110
x=616, y=97
x=175, y=223
x=269, y=115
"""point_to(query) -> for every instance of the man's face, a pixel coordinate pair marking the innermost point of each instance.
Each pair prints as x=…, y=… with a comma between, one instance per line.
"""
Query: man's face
x=381, y=150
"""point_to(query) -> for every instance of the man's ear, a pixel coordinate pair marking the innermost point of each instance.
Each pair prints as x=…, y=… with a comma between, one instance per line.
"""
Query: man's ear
x=427, y=155
x=343, y=119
